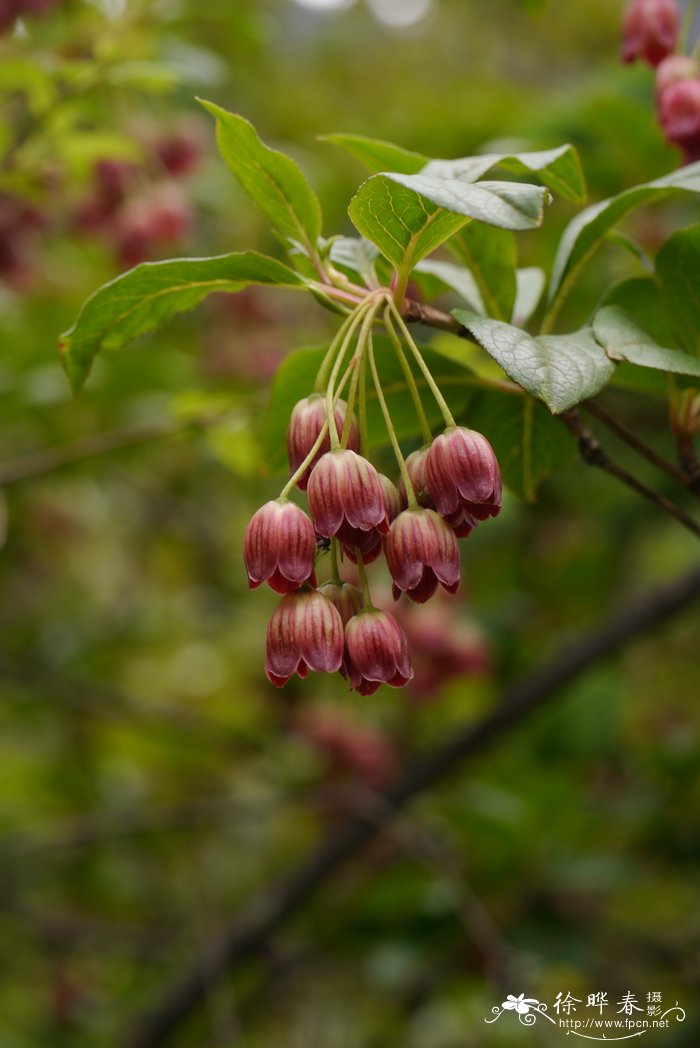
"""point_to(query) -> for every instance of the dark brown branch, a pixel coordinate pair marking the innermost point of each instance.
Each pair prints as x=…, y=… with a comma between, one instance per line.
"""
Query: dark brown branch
x=690, y=464
x=590, y=449
x=592, y=453
x=248, y=936
x=640, y=446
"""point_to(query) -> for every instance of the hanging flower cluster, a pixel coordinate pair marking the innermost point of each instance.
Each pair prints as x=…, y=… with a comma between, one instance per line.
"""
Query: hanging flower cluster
x=651, y=31
x=444, y=490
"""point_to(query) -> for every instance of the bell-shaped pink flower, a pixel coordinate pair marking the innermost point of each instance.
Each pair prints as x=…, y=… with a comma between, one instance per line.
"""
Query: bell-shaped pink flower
x=679, y=116
x=376, y=652
x=422, y=552
x=305, y=633
x=649, y=30
x=416, y=466
x=343, y=596
x=279, y=547
x=464, y=478
x=672, y=70
x=369, y=543
x=306, y=422
x=346, y=496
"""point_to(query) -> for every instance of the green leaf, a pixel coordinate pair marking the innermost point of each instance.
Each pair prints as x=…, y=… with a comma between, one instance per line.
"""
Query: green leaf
x=377, y=155
x=678, y=269
x=272, y=179
x=622, y=339
x=561, y=370
x=404, y=227
x=640, y=298
x=408, y=216
x=530, y=444
x=586, y=232
x=147, y=296
x=435, y=277
x=491, y=256
x=296, y=376
x=559, y=169
x=530, y=283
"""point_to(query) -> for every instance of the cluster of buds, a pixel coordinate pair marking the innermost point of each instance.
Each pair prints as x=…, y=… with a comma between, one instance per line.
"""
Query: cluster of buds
x=139, y=209
x=650, y=32
x=446, y=489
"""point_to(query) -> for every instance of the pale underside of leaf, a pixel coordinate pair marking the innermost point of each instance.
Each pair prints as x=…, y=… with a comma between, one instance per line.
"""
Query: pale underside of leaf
x=622, y=339
x=561, y=370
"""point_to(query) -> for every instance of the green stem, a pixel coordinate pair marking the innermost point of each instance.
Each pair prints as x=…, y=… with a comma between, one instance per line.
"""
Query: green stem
x=352, y=397
x=364, y=582
x=335, y=567
x=362, y=411
x=410, y=493
x=358, y=316
x=322, y=376
x=410, y=379
x=432, y=385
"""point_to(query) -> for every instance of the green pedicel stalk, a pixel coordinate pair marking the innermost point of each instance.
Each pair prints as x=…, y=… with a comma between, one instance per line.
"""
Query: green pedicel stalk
x=410, y=379
x=432, y=385
x=410, y=493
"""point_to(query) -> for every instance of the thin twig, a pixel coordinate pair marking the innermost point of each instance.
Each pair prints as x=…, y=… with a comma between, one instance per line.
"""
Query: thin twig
x=592, y=453
x=250, y=933
x=639, y=445
x=589, y=447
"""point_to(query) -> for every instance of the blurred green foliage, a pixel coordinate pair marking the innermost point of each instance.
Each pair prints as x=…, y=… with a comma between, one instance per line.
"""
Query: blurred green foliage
x=152, y=781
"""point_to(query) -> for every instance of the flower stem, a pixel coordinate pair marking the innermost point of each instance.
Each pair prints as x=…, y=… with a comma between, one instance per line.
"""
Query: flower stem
x=410, y=379
x=363, y=310
x=364, y=581
x=410, y=493
x=335, y=567
x=326, y=363
x=362, y=410
x=432, y=384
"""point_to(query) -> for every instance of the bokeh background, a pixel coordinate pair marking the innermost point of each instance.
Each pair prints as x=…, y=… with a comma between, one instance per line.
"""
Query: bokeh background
x=151, y=780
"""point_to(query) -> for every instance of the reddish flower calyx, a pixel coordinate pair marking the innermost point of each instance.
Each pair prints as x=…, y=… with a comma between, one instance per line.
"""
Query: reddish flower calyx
x=672, y=70
x=308, y=418
x=422, y=552
x=279, y=547
x=464, y=478
x=679, y=116
x=305, y=633
x=416, y=467
x=649, y=30
x=345, y=597
x=369, y=543
x=376, y=652
x=346, y=496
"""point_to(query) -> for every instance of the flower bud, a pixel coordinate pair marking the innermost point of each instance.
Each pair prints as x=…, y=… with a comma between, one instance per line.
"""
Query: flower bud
x=672, y=70
x=464, y=478
x=346, y=496
x=369, y=543
x=649, y=30
x=306, y=422
x=422, y=551
x=279, y=547
x=376, y=652
x=305, y=633
x=417, y=472
x=346, y=598
x=679, y=116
